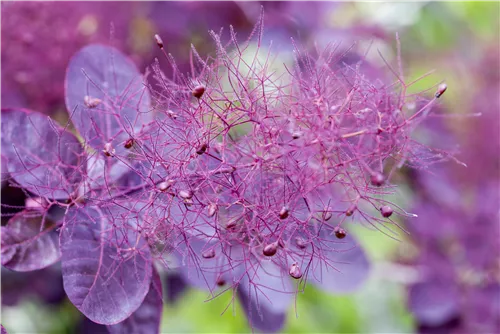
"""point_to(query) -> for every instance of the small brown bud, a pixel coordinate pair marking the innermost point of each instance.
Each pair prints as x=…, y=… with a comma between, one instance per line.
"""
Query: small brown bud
x=349, y=212
x=201, y=149
x=271, y=249
x=208, y=254
x=340, y=233
x=91, y=102
x=440, y=91
x=386, y=211
x=129, y=143
x=165, y=185
x=300, y=242
x=377, y=179
x=108, y=150
x=198, y=91
x=284, y=213
x=188, y=202
x=231, y=225
x=159, y=41
x=212, y=209
x=295, y=271
x=171, y=114
x=221, y=281
x=186, y=194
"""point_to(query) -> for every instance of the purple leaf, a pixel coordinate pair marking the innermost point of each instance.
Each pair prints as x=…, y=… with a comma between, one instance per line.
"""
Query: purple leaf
x=107, y=94
x=41, y=156
x=146, y=319
x=334, y=265
x=434, y=302
x=266, y=293
x=106, y=264
x=29, y=242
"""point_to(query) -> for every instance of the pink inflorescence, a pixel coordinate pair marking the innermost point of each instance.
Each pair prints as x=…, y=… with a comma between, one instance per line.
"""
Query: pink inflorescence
x=242, y=175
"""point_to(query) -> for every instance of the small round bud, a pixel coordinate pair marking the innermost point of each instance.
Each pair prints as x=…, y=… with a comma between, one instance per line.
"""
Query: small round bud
x=349, y=212
x=171, y=114
x=340, y=233
x=159, y=41
x=300, y=242
x=208, y=254
x=270, y=249
x=327, y=215
x=165, y=185
x=186, y=194
x=91, y=102
x=231, y=225
x=198, y=91
x=284, y=213
x=108, y=150
x=377, y=179
x=201, y=149
x=212, y=209
x=440, y=91
x=221, y=281
x=295, y=271
x=386, y=211
x=129, y=143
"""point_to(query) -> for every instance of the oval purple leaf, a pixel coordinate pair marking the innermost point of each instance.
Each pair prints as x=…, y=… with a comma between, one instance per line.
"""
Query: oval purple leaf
x=106, y=264
x=106, y=95
x=266, y=293
x=146, y=319
x=41, y=156
x=29, y=242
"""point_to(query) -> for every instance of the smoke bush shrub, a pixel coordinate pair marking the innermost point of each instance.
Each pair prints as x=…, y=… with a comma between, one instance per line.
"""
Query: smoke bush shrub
x=238, y=175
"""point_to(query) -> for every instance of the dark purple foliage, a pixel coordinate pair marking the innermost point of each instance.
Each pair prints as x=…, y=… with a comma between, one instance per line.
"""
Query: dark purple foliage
x=42, y=157
x=106, y=271
x=146, y=319
x=29, y=242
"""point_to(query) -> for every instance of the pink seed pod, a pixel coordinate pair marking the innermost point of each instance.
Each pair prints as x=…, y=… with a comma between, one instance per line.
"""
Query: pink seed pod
x=208, y=254
x=284, y=213
x=440, y=91
x=212, y=209
x=300, y=242
x=171, y=114
x=377, y=179
x=231, y=225
x=386, y=211
x=198, y=91
x=295, y=271
x=165, y=185
x=271, y=249
x=91, y=102
x=186, y=194
x=129, y=143
x=159, y=41
x=340, y=233
x=108, y=150
x=349, y=212
x=201, y=149
x=221, y=281
x=327, y=215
